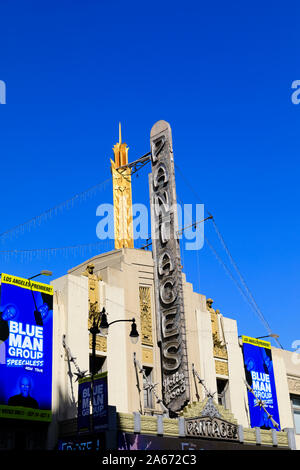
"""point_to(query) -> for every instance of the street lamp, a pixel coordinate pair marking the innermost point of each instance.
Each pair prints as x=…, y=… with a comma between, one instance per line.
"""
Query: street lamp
x=101, y=325
x=37, y=313
x=45, y=272
x=104, y=323
x=272, y=335
x=104, y=326
x=134, y=336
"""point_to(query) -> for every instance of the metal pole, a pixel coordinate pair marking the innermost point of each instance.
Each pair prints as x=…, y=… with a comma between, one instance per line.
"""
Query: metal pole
x=37, y=314
x=94, y=332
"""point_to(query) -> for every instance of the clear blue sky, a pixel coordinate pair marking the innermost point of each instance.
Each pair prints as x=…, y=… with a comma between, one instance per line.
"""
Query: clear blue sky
x=219, y=72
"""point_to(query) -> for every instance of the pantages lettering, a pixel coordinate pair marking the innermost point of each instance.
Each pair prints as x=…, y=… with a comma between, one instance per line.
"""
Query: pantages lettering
x=167, y=272
x=211, y=427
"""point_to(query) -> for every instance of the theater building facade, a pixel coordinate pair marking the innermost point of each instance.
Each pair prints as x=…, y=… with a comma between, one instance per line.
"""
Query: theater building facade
x=189, y=380
x=217, y=413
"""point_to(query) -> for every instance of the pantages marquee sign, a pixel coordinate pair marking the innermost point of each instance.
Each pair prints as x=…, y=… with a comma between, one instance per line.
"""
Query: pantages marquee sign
x=167, y=270
x=211, y=425
x=214, y=428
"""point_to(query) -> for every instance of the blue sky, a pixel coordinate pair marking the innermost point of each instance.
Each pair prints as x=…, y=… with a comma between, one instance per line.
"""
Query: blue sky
x=219, y=73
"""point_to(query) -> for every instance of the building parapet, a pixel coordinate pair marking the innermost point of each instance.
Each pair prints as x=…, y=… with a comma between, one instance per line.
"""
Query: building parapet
x=161, y=426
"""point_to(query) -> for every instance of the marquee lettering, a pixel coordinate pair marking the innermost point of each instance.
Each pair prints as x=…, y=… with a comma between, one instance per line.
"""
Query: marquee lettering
x=169, y=326
x=160, y=176
x=165, y=264
x=211, y=427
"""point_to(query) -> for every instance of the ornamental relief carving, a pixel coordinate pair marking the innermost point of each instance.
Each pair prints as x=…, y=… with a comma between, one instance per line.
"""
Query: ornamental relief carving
x=101, y=343
x=146, y=316
x=94, y=305
x=221, y=368
x=294, y=385
x=220, y=350
x=147, y=356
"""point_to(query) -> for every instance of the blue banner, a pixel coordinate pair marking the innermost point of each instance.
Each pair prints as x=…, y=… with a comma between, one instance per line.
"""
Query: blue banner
x=96, y=387
x=100, y=402
x=84, y=400
x=260, y=377
x=26, y=330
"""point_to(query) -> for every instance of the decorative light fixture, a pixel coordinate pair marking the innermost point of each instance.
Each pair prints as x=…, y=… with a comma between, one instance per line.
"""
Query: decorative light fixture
x=101, y=325
x=104, y=327
x=45, y=272
x=134, y=336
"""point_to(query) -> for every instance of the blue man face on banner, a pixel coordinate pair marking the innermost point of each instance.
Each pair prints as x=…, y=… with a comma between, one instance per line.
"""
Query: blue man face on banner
x=268, y=363
x=44, y=310
x=25, y=386
x=250, y=364
x=9, y=312
x=24, y=398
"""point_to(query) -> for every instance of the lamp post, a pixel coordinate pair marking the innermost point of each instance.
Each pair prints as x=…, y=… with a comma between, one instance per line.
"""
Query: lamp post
x=101, y=325
x=37, y=313
x=272, y=335
x=104, y=325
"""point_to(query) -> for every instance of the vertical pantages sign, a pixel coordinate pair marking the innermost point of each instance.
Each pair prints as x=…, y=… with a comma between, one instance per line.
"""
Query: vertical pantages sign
x=167, y=270
x=259, y=374
x=25, y=348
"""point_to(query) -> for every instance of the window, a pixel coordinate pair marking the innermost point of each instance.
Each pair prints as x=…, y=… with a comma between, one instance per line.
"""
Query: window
x=147, y=393
x=295, y=401
x=222, y=386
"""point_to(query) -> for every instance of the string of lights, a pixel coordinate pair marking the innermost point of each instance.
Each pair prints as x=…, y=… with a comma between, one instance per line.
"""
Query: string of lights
x=53, y=211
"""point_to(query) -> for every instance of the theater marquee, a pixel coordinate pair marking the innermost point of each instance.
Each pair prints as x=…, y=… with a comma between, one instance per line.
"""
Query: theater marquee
x=214, y=428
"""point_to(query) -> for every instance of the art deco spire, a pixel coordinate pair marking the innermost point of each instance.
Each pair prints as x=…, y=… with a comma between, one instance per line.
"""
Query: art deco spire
x=122, y=196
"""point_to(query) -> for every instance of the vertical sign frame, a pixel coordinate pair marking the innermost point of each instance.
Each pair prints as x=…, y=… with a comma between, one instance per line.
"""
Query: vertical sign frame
x=167, y=270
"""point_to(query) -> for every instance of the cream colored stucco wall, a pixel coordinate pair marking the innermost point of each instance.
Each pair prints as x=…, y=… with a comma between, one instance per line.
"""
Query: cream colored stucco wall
x=292, y=367
x=282, y=390
x=207, y=370
x=123, y=272
x=70, y=311
x=237, y=389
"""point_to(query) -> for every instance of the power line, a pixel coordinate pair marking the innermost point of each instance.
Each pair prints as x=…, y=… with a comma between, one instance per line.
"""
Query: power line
x=194, y=225
x=251, y=298
x=248, y=295
x=226, y=268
